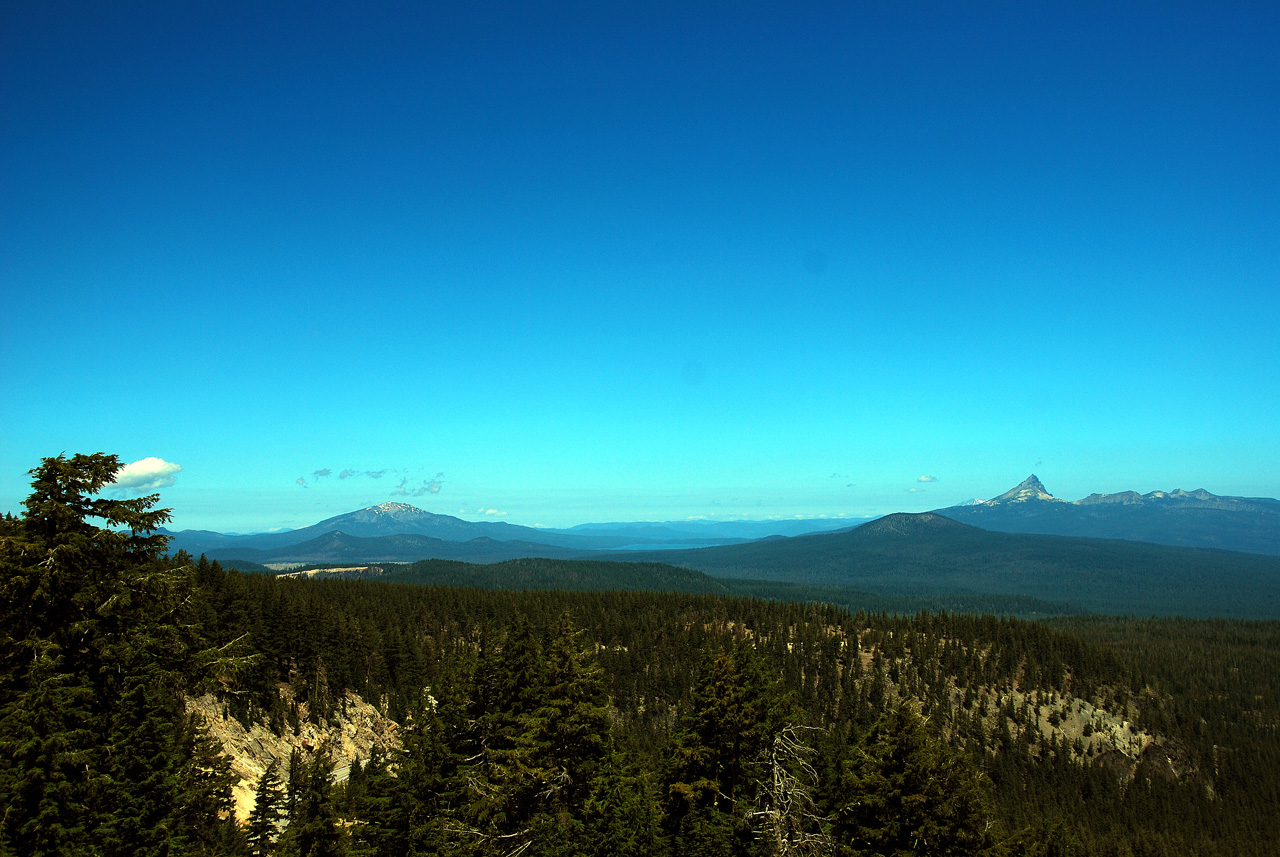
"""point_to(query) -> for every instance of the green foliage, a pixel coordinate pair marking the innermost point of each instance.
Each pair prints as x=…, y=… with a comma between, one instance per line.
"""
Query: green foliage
x=267, y=812
x=568, y=734
x=838, y=672
x=735, y=709
x=621, y=813
x=614, y=575
x=313, y=823
x=96, y=641
x=905, y=793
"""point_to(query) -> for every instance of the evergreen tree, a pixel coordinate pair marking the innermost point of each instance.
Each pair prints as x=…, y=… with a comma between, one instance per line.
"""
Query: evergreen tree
x=313, y=826
x=716, y=766
x=381, y=810
x=621, y=814
x=96, y=753
x=568, y=734
x=499, y=788
x=297, y=772
x=267, y=811
x=46, y=736
x=416, y=810
x=909, y=794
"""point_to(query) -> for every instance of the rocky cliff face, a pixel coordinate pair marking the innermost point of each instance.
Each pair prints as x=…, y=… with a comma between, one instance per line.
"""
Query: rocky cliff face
x=351, y=733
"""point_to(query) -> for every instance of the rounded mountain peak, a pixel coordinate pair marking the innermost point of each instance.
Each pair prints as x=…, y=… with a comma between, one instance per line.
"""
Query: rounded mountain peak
x=395, y=508
x=909, y=524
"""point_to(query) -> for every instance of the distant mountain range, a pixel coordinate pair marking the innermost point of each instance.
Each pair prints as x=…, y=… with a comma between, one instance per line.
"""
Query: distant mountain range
x=384, y=520
x=1187, y=518
x=1157, y=553
x=928, y=554
x=443, y=532
x=1184, y=518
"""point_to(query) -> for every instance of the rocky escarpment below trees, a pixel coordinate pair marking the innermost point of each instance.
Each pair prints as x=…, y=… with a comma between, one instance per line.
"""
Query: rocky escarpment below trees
x=351, y=731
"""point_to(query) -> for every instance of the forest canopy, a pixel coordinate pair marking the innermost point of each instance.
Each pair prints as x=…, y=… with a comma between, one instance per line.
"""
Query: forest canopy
x=594, y=723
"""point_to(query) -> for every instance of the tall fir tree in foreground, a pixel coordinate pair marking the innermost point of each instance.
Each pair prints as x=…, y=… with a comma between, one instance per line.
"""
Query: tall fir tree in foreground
x=97, y=755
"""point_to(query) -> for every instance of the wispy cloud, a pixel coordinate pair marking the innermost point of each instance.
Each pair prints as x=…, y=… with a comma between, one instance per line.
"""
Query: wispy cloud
x=408, y=488
x=915, y=490
x=927, y=479
x=146, y=474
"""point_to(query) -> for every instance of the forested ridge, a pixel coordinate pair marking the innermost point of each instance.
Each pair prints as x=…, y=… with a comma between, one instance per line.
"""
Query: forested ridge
x=547, y=722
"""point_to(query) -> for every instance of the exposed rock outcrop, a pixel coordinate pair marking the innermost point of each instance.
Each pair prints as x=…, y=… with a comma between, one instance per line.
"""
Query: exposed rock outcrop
x=350, y=733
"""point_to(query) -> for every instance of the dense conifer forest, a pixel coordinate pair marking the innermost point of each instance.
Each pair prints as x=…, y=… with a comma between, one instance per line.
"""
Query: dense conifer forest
x=550, y=722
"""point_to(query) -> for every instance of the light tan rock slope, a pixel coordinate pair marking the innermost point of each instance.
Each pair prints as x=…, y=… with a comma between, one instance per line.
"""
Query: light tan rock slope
x=351, y=733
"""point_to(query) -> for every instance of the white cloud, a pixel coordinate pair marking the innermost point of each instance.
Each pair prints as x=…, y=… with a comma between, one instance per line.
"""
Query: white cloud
x=347, y=474
x=324, y=472
x=492, y=513
x=147, y=474
x=302, y=481
x=927, y=479
x=915, y=490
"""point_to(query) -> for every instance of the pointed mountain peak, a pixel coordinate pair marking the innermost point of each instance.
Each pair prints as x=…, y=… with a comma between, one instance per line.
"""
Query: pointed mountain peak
x=1032, y=483
x=1030, y=488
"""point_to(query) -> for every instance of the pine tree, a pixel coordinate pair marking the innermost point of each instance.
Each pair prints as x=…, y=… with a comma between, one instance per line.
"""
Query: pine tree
x=908, y=793
x=267, y=811
x=46, y=737
x=717, y=765
x=381, y=810
x=568, y=734
x=499, y=795
x=96, y=753
x=297, y=772
x=313, y=826
x=621, y=814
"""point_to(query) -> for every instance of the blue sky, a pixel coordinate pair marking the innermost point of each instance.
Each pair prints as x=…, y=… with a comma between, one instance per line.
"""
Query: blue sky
x=558, y=263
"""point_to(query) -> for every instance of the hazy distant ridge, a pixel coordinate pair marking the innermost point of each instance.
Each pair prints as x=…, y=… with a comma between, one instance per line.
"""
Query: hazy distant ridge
x=401, y=519
x=928, y=554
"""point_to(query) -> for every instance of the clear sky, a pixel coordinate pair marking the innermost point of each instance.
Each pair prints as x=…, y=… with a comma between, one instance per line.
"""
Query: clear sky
x=559, y=263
